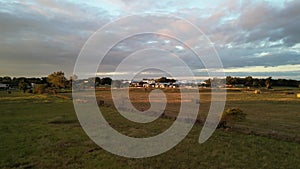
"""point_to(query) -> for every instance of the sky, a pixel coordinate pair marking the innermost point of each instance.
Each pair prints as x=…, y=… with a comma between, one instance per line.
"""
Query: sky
x=257, y=38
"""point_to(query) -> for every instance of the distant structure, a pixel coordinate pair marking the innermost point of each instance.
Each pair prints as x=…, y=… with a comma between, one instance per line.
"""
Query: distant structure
x=4, y=86
x=151, y=83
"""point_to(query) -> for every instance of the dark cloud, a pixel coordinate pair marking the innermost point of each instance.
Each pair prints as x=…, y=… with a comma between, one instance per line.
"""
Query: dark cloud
x=52, y=33
x=270, y=60
x=34, y=34
x=266, y=21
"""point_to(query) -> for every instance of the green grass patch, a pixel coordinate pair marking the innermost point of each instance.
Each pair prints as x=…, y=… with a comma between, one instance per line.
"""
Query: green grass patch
x=40, y=131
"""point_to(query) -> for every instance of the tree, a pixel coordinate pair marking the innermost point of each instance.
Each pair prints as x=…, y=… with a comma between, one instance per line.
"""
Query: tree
x=255, y=83
x=23, y=85
x=106, y=81
x=249, y=81
x=165, y=80
x=97, y=81
x=161, y=80
x=232, y=80
x=69, y=82
x=40, y=88
x=57, y=79
x=208, y=82
x=229, y=80
x=268, y=83
x=261, y=82
x=6, y=80
x=44, y=80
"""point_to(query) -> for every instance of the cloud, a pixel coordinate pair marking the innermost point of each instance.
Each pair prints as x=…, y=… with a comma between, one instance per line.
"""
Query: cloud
x=44, y=32
x=266, y=21
x=244, y=32
x=262, y=69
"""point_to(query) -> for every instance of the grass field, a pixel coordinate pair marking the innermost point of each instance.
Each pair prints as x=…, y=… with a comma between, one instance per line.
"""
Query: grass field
x=42, y=131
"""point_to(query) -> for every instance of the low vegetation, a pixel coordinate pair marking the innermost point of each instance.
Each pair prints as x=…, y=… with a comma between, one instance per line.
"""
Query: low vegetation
x=234, y=114
x=42, y=131
x=230, y=116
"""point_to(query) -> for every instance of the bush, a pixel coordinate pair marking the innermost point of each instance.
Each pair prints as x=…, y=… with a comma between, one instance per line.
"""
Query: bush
x=40, y=88
x=234, y=114
x=231, y=115
x=28, y=91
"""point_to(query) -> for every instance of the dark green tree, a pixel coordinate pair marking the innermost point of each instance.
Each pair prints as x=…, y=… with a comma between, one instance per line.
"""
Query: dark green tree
x=208, y=82
x=97, y=81
x=23, y=86
x=248, y=81
x=6, y=80
x=106, y=81
x=165, y=80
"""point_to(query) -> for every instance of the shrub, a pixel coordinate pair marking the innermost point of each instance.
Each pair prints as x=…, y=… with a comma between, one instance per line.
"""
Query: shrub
x=234, y=114
x=231, y=115
x=40, y=88
x=61, y=120
x=28, y=91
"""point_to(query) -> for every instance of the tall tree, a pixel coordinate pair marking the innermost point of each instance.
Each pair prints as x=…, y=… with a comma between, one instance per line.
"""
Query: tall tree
x=71, y=80
x=57, y=79
x=106, y=81
x=248, y=81
x=97, y=81
x=268, y=82
x=6, y=79
x=165, y=80
x=208, y=82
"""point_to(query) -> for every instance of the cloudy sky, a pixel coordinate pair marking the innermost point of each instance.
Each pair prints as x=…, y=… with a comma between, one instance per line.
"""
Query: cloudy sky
x=251, y=37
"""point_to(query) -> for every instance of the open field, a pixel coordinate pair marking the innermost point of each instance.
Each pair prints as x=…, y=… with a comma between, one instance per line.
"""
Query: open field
x=275, y=112
x=42, y=131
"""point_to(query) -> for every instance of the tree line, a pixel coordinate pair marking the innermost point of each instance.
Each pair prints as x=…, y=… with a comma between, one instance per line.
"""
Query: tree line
x=255, y=82
x=51, y=83
x=57, y=80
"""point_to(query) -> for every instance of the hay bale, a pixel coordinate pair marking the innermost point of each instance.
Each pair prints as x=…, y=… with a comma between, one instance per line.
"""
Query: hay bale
x=257, y=92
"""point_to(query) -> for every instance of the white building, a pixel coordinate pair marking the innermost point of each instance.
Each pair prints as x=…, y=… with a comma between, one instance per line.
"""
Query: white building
x=4, y=86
